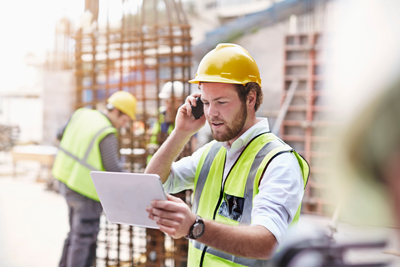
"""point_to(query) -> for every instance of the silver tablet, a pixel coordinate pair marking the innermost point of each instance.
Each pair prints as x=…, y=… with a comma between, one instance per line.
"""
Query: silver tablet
x=125, y=196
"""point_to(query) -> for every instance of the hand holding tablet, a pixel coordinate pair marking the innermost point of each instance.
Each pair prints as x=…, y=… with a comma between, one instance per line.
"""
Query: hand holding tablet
x=125, y=196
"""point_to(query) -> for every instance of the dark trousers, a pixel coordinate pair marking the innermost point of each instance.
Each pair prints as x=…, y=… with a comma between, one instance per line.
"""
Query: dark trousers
x=84, y=219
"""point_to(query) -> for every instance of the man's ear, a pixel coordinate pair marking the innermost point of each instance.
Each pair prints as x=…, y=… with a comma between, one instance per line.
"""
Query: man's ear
x=114, y=113
x=251, y=99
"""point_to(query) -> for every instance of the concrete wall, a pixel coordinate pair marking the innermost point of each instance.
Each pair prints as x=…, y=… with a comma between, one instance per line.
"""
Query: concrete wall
x=58, y=102
x=267, y=48
x=21, y=103
x=26, y=113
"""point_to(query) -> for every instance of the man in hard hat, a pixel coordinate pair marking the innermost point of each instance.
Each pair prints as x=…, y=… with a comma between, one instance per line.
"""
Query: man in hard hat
x=248, y=184
x=172, y=96
x=88, y=143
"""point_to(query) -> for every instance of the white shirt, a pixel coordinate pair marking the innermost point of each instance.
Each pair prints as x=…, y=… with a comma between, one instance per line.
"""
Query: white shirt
x=280, y=192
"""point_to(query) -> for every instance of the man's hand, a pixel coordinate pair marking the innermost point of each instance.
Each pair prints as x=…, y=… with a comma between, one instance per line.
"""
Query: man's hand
x=173, y=216
x=185, y=121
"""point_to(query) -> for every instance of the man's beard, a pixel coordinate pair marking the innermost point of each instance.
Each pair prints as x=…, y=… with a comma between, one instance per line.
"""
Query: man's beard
x=235, y=129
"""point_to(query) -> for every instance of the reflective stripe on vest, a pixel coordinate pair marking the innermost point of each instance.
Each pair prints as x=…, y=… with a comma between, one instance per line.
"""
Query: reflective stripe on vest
x=83, y=161
x=266, y=146
x=80, y=152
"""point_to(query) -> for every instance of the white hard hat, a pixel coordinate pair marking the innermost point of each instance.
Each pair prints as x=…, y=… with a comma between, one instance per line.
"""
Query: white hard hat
x=166, y=91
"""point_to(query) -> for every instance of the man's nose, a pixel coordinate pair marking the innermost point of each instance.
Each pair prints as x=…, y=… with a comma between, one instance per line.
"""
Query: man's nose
x=211, y=111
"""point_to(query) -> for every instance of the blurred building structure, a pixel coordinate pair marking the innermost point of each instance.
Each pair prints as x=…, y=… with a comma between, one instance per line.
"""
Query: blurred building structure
x=286, y=40
x=25, y=98
x=138, y=53
x=59, y=82
x=154, y=42
x=92, y=58
x=142, y=51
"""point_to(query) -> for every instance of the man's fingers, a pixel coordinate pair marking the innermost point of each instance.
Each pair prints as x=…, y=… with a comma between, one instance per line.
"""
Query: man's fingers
x=174, y=199
x=174, y=216
x=188, y=109
x=169, y=231
x=172, y=204
x=165, y=222
x=163, y=213
x=191, y=100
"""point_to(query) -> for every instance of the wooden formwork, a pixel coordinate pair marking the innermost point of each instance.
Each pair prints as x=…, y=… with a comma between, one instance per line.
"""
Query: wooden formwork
x=304, y=126
x=150, y=47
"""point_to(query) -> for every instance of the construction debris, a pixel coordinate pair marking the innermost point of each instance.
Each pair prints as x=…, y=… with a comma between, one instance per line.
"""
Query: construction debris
x=8, y=136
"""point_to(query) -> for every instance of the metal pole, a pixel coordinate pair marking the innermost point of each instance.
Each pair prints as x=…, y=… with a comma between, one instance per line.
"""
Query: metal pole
x=283, y=110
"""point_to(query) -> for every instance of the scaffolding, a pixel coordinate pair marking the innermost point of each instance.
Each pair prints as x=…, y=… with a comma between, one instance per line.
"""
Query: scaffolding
x=303, y=123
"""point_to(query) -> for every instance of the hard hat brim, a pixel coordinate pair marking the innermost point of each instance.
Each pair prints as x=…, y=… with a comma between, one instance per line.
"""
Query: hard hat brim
x=214, y=80
x=133, y=117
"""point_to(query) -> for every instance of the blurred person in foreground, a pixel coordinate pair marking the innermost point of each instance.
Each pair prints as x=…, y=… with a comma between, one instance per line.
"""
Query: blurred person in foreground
x=248, y=184
x=364, y=95
x=172, y=96
x=368, y=189
x=373, y=152
x=88, y=143
x=364, y=73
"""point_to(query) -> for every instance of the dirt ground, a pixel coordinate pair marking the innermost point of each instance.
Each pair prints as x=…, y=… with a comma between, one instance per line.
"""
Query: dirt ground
x=33, y=223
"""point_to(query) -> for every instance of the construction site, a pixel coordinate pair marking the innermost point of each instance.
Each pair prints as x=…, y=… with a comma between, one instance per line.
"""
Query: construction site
x=138, y=46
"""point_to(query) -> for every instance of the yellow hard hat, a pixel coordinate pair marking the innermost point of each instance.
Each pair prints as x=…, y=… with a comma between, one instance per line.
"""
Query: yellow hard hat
x=125, y=102
x=228, y=63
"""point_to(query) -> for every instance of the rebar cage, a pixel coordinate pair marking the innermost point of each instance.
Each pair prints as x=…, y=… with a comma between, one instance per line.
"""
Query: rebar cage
x=148, y=47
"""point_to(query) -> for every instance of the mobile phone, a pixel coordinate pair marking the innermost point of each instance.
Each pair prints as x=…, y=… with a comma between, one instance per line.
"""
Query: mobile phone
x=198, y=110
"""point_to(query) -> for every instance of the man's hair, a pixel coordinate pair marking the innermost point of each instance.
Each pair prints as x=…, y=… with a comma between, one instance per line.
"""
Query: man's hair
x=243, y=91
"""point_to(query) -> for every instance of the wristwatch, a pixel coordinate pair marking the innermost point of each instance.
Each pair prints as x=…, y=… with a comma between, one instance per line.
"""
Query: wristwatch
x=197, y=228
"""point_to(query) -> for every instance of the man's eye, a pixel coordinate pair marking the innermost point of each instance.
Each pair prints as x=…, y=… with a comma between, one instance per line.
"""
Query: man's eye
x=220, y=102
x=205, y=103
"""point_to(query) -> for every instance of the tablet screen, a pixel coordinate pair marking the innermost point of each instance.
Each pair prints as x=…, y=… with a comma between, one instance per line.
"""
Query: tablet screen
x=125, y=196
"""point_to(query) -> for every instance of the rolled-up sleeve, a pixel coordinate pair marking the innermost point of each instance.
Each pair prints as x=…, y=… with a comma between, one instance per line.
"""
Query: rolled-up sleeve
x=280, y=194
x=183, y=172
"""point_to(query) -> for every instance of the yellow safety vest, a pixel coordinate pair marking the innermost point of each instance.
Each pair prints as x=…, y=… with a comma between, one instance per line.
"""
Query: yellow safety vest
x=156, y=130
x=79, y=151
x=232, y=203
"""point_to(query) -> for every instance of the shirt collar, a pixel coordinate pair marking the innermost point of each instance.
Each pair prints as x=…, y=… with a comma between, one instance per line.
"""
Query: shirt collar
x=260, y=127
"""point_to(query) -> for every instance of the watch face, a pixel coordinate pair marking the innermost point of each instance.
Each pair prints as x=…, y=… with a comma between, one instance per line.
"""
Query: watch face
x=198, y=229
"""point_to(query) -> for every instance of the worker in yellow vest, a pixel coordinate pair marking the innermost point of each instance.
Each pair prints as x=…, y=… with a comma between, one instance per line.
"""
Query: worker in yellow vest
x=88, y=143
x=172, y=96
x=248, y=184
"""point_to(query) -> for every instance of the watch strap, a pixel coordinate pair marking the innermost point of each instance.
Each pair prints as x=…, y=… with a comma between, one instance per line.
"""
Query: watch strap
x=198, y=220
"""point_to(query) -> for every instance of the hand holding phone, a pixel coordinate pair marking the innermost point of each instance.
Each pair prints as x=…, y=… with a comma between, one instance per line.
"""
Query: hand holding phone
x=198, y=110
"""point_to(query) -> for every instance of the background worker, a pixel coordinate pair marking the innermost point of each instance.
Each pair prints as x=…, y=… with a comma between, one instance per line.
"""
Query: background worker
x=246, y=177
x=172, y=96
x=170, y=105
x=88, y=142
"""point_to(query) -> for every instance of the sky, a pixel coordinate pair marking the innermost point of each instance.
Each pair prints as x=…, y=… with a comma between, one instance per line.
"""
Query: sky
x=27, y=26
